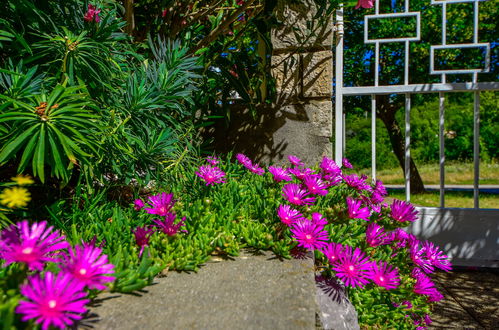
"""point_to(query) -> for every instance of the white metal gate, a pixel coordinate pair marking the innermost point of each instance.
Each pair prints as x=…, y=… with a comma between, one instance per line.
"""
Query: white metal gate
x=469, y=236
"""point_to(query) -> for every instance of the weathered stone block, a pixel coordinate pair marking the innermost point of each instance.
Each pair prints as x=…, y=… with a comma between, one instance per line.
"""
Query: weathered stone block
x=299, y=27
x=305, y=132
x=286, y=71
x=317, y=74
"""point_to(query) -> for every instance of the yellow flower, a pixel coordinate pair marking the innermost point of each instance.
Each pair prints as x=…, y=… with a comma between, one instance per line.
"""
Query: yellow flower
x=15, y=197
x=22, y=180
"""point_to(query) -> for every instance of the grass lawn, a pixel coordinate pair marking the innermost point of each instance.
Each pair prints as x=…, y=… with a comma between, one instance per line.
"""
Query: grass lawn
x=452, y=199
x=455, y=173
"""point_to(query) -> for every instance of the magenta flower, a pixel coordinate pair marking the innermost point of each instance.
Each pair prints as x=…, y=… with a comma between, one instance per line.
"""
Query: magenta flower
x=52, y=301
x=295, y=194
x=355, y=211
x=138, y=204
x=300, y=174
x=160, y=204
x=364, y=4
x=384, y=275
x=346, y=163
x=315, y=185
x=279, y=174
x=333, y=251
x=244, y=160
x=375, y=235
x=211, y=175
x=418, y=257
x=318, y=219
x=436, y=257
x=288, y=215
x=403, y=211
x=379, y=189
x=425, y=286
x=212, y=160
x=88, y=265
x=168, y=225
x=357, y=183
x=33, y=246
x=255, y=168
x=295, y=161
x=92, y=14
x=329, y=167
x=309, y=235
x=353, y=267
x=142, y=235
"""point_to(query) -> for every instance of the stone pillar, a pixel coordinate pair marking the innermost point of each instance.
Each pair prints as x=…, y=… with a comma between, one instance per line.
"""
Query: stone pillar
x=302, y=66
x=300, y=120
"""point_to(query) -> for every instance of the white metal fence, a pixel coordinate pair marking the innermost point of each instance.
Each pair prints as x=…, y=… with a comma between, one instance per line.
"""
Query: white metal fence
x=427, y=227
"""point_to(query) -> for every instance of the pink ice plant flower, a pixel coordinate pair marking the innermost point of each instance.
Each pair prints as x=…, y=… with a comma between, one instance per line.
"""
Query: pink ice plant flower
x=244, y=160
x=138, y=204
x=301, y=173
x=168, y=225
x=364, y=4
x=356, y=182
x=142, y=235
x=295, y=161
x=353, y=267
x=280, y=174
x=33, y=246
x=319, y=219
x=402, y=211
x=329, y=167
x=309, y=236
x=160, y=204
x=211, y=175
x=355, y=211
x=255, y=168
x=346, y=163
x=384, y=275
x=89, y=266
x=333, y=251
x=296, y=195
x=53, y=300
x=425, y=286
x=376, y=236
x=212, y=160
x=315, y=185
x=288, y=215
x=418, y=257
x=435, y=256
x=92, y=14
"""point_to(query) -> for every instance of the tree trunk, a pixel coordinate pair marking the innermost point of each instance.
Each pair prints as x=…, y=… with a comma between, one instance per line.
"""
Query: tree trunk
x=129, y=17
x=386, y=112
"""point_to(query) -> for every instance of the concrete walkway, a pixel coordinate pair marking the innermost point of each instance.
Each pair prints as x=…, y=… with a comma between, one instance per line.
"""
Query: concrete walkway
x=247, y=292
x=471, y=300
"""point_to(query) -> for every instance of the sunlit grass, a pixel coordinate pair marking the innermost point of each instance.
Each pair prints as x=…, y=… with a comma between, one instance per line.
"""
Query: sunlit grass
x=455, y=173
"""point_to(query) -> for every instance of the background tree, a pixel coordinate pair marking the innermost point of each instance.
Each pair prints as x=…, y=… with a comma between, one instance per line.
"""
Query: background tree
x=359, y=59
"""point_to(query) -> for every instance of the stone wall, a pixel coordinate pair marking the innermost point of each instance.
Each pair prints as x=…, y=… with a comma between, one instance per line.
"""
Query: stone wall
x=300, y=120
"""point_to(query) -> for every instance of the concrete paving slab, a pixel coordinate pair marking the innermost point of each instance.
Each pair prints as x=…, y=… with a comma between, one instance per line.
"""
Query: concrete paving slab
x=248, y=292
x=472, y=300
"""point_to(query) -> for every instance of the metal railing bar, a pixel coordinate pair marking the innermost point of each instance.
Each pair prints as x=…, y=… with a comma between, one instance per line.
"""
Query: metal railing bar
x=338, y=129
x=476, y=148
x=407, y=147
x=442, y=147
x=373, y=137
x=421, y=88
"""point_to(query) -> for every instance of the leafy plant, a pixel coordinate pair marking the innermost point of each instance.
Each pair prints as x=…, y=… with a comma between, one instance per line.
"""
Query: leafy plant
x=55, y=130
